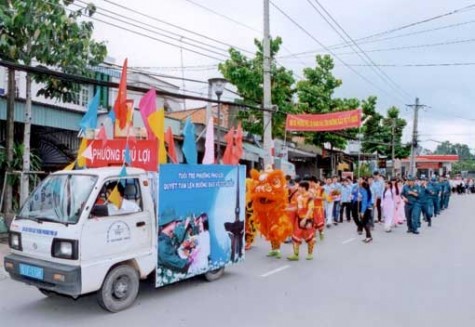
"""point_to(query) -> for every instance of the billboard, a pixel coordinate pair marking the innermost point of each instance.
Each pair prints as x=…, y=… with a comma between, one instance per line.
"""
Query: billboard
x=200, y=218
x=324, y=122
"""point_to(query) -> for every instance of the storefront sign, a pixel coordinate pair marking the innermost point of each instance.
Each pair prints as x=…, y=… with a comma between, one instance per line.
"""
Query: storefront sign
x=143, y=153
x=324, y=122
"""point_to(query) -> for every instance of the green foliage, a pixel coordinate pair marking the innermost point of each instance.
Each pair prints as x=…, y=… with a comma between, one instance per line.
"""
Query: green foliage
x=45, y=32
x=364, y=170
x=315, y=94
x=462, y=150
x=378, y=130
x=247, y=75
x=463, y=165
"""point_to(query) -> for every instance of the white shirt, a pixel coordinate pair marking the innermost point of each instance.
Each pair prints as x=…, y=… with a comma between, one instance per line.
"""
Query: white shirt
x=127, y=207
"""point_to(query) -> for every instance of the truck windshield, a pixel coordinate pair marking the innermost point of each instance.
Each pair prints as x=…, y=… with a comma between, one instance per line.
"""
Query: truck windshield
x=59, y=198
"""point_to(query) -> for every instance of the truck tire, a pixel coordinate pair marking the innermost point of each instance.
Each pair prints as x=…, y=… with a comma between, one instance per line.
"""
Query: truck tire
x=214, y=274
x=119, y=289
x=46, y=292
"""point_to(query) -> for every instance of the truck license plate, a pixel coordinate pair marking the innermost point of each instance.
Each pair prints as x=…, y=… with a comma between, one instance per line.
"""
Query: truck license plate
x=31, y=271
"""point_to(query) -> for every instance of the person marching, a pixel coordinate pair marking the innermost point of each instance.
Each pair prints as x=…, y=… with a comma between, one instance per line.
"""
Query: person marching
x=328, y=204
x=346, y=189
x=317, y=193
x=448, y=193
x=410, y=196
x=435, y=196
x=425, y=198
x=366, y=210
x=304, y=223
x=388, y=205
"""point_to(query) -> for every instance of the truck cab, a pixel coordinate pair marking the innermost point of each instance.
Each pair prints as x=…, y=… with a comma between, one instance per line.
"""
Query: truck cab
x=70, y=238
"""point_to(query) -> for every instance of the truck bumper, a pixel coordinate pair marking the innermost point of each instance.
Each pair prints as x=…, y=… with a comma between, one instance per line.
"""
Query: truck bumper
x=59, y=278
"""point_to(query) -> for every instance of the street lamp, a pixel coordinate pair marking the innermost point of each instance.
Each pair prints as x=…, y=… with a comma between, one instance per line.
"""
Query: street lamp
x=359, y=136
x=218, y=84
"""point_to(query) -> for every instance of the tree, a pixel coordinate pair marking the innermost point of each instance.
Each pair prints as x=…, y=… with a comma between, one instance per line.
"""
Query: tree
x=247, y=75
x=462, y=150
x=44, y=32
x=315, y=94
x=378, y=131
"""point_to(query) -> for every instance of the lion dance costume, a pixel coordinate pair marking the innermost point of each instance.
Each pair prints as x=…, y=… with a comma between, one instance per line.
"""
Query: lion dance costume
x=269, y=203
x=251, y=226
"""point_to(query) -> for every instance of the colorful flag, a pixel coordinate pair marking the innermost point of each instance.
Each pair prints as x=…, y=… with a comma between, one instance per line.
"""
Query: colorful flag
x=228, y=153
x=120, y=105
x=81, y=161
x=70, y=166
x=102, y=135
x=123, y=175
x=237, y=153
x=88, y=153
x=89, y=120
x=147, y=106
x=208, y=159
x=115, y=197
x=189, y=143
x=112, y=116
x=171, y=145
x=156, y=122
x=127, y=158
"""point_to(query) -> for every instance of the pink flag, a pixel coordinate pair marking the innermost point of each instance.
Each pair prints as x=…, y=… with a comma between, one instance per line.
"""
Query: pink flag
x=228, y=153
x=147, y=105
x=208, y=159
x=102, y=135
x=238, y=150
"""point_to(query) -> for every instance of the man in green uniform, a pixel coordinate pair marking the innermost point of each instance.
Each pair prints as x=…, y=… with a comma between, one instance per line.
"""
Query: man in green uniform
x=425, y=199
x=410, y=196
x=435, y=196
x=172, y=234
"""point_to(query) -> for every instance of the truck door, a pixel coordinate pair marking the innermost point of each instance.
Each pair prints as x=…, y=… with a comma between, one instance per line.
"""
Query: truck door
x=125, y=232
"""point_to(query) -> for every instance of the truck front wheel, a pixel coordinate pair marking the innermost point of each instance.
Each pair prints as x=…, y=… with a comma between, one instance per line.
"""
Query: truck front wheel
x=214, y=274
x=120, y=289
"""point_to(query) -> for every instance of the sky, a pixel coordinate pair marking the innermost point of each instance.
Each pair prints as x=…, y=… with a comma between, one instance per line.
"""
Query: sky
x=397, y=79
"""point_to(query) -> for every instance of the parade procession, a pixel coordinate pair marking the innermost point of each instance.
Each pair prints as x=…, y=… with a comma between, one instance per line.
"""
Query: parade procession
x=236, y=163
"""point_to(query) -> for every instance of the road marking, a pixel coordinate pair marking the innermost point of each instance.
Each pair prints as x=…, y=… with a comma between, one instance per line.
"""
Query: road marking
x=348, y=241
x=267, y=274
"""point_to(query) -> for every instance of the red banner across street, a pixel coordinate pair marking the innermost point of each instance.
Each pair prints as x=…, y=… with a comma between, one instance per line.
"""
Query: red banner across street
x=324, y=122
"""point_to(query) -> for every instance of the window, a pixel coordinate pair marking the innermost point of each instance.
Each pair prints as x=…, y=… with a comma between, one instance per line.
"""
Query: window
x=121, y=196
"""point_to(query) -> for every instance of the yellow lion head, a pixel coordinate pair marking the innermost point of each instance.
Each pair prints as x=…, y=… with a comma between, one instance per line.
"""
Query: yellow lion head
x=269, y=189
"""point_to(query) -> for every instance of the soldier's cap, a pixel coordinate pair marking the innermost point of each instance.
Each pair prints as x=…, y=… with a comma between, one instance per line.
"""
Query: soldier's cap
x=168, y=216
x=423, y=178
x=411, y=179
x=433, y=179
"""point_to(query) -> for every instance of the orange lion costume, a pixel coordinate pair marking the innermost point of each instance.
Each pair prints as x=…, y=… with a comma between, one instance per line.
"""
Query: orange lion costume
x=269, y=202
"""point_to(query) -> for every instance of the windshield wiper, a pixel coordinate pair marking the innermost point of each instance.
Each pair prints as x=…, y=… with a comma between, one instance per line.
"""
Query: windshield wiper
x=53, y=221
x=29, y=218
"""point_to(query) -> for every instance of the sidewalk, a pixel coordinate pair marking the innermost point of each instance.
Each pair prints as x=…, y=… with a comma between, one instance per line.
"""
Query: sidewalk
x=4, y=250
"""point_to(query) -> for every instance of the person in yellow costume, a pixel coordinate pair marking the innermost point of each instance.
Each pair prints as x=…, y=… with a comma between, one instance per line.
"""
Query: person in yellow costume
x=251, y=225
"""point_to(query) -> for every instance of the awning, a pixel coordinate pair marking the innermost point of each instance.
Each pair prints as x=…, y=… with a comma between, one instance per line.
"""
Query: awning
x=296, y=153
x=252, y=152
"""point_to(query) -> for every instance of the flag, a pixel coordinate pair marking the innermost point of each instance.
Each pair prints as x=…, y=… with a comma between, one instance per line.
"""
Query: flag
x=237, y=153
x=147, y=107
x=115, y=197
x=123, y=175
x=70, y=166
x=81, y=161
x=127, y=158
x=228, y=153
x=88, y=153
x=102, y=135
x=156, y=122
x=171, y=145
x=189, y=143
x=120, y=105
x=112, y=116
x=89, y=120
x=208, y=159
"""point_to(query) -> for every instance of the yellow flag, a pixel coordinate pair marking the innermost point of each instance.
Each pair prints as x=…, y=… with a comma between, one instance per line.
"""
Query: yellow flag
x=156, y=121
x=70, y=166
x=80, y=159
x=115, y=198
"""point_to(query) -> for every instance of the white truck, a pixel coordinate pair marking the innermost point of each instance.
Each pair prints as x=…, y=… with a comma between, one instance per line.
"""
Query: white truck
x=72, y=237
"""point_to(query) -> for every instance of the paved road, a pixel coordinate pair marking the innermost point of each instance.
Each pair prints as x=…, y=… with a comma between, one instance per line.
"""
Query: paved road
x=398, y=280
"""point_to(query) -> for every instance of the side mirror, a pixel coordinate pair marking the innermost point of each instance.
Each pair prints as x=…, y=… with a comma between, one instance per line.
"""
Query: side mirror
x=100, y=210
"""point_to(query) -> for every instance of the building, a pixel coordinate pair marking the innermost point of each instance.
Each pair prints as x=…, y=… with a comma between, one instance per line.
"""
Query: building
x=430, y=164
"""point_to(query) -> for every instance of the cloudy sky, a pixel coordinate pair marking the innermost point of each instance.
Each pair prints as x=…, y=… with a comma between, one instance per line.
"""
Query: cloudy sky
x=412, y=61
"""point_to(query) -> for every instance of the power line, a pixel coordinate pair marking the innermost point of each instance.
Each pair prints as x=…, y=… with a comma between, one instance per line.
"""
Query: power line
x=174, y=25
x=329, y=50
x=366, y=39
x=362, y=54
x=418, y=65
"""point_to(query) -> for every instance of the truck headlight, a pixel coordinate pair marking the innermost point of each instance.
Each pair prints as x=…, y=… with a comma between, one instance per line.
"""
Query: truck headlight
x=65, y=249
x=14, y=240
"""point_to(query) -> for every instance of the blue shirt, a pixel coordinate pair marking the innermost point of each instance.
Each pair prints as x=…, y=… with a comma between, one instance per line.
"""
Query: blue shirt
x=377, y=188
x=365, y=201
x=346, y=193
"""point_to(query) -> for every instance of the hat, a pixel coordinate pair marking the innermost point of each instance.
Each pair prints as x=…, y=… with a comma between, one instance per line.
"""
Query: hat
x=167, y=216
x=411, y=179
x=433, y=179
x=423, y=178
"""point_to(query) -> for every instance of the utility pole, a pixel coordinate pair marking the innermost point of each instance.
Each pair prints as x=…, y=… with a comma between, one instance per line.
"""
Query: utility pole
x=8, y=195
x=393, y=130
x=416, y=106
x=267, y=114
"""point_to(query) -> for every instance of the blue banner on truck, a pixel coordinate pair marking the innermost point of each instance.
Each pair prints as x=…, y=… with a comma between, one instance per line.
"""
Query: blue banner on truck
x=200, y=219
